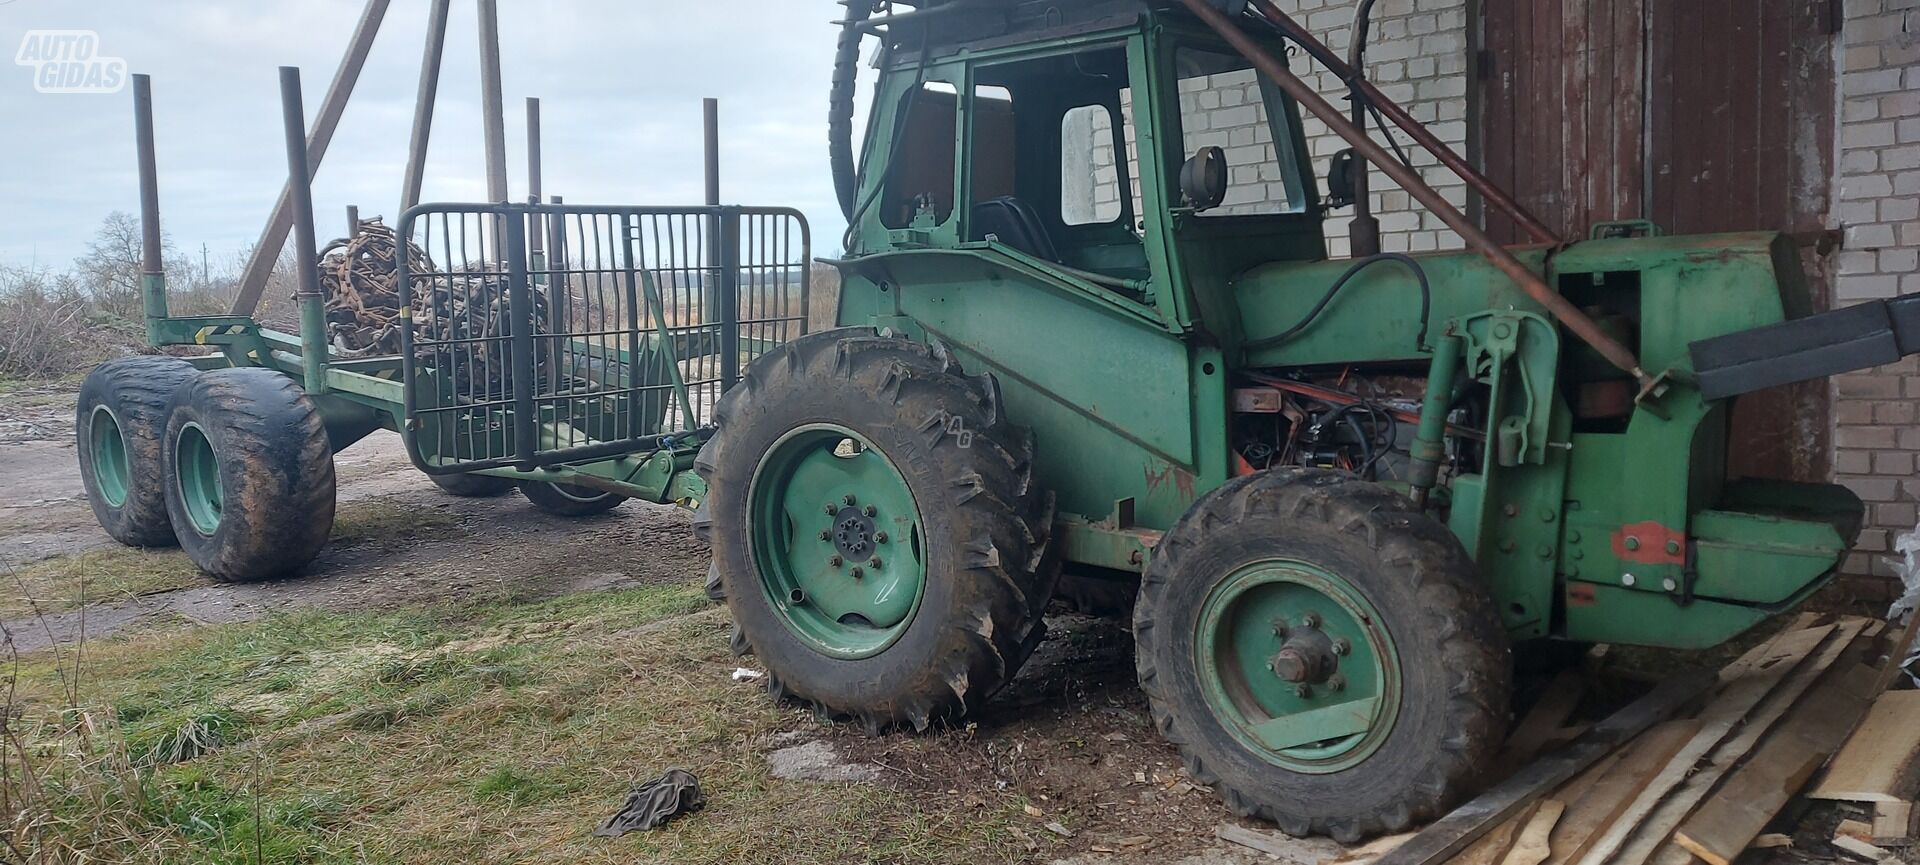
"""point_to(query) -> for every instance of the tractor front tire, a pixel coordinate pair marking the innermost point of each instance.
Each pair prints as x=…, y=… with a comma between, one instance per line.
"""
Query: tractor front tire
x=570, y=500
x=473, y=486
x=250, y=469
x=1323, y=654
x=877, y=532
x=119, y=426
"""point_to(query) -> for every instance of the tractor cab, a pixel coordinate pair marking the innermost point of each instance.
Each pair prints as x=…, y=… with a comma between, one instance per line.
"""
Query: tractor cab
x=1113, y=148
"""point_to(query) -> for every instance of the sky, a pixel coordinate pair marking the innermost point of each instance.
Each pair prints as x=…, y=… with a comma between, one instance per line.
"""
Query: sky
x=620, y=85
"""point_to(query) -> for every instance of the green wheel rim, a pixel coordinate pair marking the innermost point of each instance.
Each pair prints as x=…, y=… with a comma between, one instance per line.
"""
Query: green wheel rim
x=836, y=539
x=1330, y=723
x=107, y=449
x=199, y=478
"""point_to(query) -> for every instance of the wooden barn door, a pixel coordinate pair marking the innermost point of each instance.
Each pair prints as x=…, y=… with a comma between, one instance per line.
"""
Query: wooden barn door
x=1701, y=115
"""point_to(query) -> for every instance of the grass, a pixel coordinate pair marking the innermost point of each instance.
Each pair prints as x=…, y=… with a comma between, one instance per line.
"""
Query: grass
x=68, y=582
x=474, y=735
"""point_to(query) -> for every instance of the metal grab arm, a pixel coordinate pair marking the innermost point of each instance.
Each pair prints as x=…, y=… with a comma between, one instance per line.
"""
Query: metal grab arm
x=1561, y=309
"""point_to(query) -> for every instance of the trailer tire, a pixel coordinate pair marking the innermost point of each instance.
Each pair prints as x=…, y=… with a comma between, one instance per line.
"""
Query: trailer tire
x=570, y=500
x=250, y=475
x=473, y=486
x=1324, y=559
x=951, y=479
x=120, y=423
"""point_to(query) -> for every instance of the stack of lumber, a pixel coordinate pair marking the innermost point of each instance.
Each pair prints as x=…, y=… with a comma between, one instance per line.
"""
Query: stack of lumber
x=1696, y=770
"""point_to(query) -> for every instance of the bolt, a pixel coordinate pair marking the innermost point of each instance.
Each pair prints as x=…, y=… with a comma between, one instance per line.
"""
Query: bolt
x=826, y=534
x=1669, y=584
x=1511, y=511
x=1337, y=684
x=850, y=500
x=879, y=537
x=834, y=560
x=1311, y=620
x=1280, y=628
x=1627, y=580
x=874, y=563
x=1545, y=552
x=1673, y=548
x=1573, y=570
x=1633, y=543
x=1303, y=691
x=856, y=572
x=1508, y=546
x=1547, y=515
x=1573, y=537
x=1342, y=647
x=832, y=510
x=871, y=511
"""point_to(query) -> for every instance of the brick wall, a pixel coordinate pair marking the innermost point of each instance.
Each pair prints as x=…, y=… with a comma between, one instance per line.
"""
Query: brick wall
x=1878, y=205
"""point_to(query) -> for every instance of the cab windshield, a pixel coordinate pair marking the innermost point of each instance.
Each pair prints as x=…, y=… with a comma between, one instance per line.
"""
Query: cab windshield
x=1225, y=103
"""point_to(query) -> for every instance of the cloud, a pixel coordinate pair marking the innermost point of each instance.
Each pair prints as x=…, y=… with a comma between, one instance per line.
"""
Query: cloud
x=620, y=84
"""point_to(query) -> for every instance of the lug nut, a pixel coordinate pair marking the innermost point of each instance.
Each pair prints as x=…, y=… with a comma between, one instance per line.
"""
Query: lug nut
x=834, y=560
x=1342, y=647
x=1311, y=620
x=850, y=500
x=879, y=537
x=1303, y=691
x=1280, y=629
x=874, y=563
x=871, y=510
x=856, y=572
x=826, y=534
x=1337, y=684
x=832, y=510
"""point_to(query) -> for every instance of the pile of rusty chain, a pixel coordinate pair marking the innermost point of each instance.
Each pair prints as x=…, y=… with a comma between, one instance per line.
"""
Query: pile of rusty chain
x=360, y=278
x=462, y=317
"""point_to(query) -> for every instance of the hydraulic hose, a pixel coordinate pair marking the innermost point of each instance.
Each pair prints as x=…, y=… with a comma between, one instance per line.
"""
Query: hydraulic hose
x=1419, y=273
x=846, y=74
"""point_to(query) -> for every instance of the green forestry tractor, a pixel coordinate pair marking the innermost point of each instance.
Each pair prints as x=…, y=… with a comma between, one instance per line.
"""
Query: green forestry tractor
x=1088, y=345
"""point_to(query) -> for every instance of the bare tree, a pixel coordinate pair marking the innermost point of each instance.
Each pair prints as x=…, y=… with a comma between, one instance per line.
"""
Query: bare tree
x=110, y=270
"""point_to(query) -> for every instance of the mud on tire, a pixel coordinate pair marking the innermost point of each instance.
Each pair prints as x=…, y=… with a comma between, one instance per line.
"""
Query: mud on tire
x=119, y=426
x=1453, y=660
x=988, y=572
x=250, y=475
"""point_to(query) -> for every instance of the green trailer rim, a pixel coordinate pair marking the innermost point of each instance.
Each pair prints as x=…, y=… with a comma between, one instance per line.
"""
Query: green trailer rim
x=107, y=449
x=1342, y=712
x=198, y=470
x=836, y=539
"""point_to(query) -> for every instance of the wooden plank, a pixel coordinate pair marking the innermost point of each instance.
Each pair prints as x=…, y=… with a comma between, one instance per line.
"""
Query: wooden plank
x=1651, y=836
x=1545, y=719
x=1893, y=824
x=1878, y=762
x=1493, y=847
x=1779, y=768
x=1602, y=805
x=1454, y=832
x=1857, y=847
x=1735, y=702
x=1771, y=842
x=1535, y=842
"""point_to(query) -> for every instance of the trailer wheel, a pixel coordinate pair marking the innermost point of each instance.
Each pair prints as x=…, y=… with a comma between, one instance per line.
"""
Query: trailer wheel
x=119, y=426
x=251, y=489
x=877, y=533
x=473, y=486
x=1323, y=654
x=570, y=500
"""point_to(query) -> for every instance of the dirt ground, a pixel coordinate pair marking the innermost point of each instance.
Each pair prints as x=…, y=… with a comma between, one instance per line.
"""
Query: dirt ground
x=1071, y=734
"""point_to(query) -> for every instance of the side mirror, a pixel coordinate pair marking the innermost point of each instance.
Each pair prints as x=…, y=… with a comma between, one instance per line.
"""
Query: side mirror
x=1203, y=180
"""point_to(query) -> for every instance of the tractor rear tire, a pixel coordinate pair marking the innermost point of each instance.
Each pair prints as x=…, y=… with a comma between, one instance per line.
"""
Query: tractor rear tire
x=473, y=486
x=570, y=500
x=250, y=469
x=1323, y=654
x=828, y=446
x=119, y=427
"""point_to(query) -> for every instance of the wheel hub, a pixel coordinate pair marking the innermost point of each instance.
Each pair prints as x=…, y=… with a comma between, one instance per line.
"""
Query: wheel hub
x=853, y=533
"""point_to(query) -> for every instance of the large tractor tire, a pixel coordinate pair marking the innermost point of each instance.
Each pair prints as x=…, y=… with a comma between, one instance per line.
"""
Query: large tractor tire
x=119, y=427
x=473, y=486
x=251, y=491
x=877, y=532
x=1323, y=654
x=570, y=500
